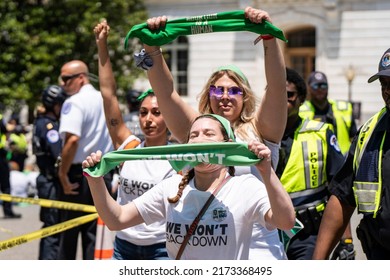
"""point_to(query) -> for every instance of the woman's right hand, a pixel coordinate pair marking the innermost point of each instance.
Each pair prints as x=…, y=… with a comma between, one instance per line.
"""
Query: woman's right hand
x=92, y=160
x=101, y=31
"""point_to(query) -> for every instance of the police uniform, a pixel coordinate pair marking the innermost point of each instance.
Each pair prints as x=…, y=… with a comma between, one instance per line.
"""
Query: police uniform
x=309, y=157
x=366, y=175
x=47, y=148
x=5, y=186
x=339, y=114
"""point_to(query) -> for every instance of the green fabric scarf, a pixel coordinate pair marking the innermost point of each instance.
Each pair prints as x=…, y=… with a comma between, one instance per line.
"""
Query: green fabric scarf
x=218, y=22
x=180, y=156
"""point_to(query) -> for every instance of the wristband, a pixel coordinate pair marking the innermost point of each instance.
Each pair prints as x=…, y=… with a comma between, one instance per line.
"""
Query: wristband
x=264, y=37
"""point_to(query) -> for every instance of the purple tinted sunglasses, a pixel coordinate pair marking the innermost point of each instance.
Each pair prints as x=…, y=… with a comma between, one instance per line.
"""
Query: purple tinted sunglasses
x=219, y=91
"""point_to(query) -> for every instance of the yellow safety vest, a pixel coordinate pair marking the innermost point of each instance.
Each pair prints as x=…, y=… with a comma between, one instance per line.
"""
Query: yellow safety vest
x=3, y=139
x=20, y=141
x=342, y=111
x=308, y=152
x=368, y=194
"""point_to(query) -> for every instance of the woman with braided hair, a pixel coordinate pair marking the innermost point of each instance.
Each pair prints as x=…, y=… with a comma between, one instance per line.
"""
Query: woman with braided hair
x=136, y=177
x=212, y=212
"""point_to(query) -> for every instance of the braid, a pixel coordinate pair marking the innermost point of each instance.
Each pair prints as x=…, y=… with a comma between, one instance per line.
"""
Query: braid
x=183, y=183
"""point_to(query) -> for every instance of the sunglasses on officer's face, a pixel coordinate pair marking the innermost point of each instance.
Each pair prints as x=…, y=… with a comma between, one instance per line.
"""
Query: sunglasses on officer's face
x=319, y=86
x=67, y=78
x=218, y=92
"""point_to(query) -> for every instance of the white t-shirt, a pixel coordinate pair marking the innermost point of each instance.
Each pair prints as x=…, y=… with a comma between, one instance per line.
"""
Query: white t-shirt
x=82, y=114
x=225, y=229
x=19, y=183
x=265, y=244
x=136, y=178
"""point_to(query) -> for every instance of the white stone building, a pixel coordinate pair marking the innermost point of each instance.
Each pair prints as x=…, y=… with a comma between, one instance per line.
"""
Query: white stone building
x=333, y=36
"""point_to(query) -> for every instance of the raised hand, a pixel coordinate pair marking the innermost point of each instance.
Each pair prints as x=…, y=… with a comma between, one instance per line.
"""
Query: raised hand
x=256, y=15
x=92, y=160
x=101, y=31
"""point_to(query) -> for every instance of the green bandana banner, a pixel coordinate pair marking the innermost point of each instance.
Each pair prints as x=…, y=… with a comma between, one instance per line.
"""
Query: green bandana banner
x=218, y=22
x=180, y=155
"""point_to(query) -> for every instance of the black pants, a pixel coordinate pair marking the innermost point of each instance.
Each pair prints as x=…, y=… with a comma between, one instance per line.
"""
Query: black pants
x=69, y=238
x=5, y=186
x=301, y=246
x=49, y=189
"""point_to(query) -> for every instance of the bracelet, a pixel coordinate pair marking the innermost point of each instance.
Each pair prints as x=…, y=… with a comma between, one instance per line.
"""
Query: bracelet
x=264, y=37
x=155, y=53
x=143, y=59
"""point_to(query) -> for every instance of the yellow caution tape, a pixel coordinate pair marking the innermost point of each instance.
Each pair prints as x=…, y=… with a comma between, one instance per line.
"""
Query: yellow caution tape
x=50, y=203
x=4, y=245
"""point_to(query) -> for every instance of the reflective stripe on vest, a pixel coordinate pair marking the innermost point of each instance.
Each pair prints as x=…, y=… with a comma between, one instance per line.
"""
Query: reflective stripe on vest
x=309, y=150
x=342, y=112
x=368, y=194
x=3, y=140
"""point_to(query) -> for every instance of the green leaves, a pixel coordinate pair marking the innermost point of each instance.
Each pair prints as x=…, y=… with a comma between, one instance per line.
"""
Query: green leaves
x=38, y=37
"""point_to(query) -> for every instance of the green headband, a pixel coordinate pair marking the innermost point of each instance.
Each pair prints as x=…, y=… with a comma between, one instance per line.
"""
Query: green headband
x=144, y=94
x=218, y=22
x=236, y=70
x=225, y=124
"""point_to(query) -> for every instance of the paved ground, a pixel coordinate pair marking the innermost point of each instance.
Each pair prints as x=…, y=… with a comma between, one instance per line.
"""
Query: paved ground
x=10, y=228
x=30, y=222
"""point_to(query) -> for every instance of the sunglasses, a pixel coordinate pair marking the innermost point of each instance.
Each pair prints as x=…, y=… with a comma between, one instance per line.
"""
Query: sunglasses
x=219, y=91
x=319, y=86
x=66, y=78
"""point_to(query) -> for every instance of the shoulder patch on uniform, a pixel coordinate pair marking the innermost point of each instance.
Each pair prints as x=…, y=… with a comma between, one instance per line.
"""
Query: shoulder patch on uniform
x=52, y=136
x=49, y=126
x=66, y=108
x=334, y=143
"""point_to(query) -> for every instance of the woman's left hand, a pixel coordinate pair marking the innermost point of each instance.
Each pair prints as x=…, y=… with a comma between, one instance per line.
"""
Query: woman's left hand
x=263, y=153
x=256, y=15
x=260, y=149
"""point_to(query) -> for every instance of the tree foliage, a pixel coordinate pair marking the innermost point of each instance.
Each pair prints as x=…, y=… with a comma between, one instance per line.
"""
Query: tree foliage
x=38, y=36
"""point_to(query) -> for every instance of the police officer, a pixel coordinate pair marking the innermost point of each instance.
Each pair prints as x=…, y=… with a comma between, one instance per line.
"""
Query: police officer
x=336, y=112
x=47, y=147
x=309, y=157
x=5, y=186
x=363, y=182
x=339, y=114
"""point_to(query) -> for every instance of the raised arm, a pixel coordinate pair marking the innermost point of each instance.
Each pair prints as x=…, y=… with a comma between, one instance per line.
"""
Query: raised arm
x=115, y=216
x=282, y=213
x=271, y=116
x=171, y=105
x=114, y=120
